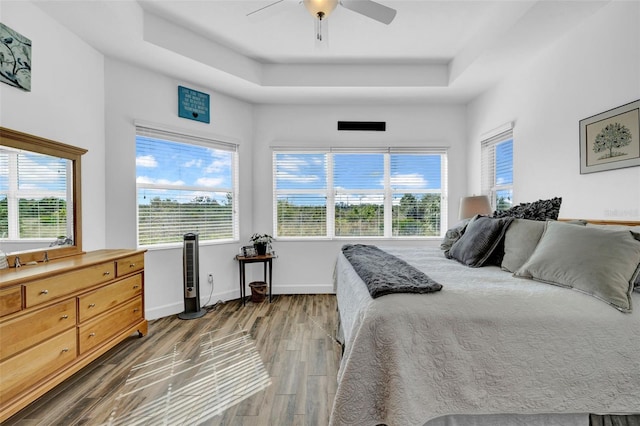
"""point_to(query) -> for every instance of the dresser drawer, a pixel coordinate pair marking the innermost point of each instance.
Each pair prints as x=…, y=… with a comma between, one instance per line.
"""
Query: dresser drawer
x=47, y=289
x=27, y=330
x=130, y=264
x=26, y=369
x=101, y=328
x=10, y=300
x=105, y=298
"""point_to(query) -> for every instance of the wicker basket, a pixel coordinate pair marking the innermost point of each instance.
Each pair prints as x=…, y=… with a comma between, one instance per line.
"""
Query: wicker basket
x=258, y=291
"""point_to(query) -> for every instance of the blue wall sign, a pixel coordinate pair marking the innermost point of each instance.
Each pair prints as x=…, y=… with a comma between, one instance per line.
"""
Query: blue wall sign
x=193, y=105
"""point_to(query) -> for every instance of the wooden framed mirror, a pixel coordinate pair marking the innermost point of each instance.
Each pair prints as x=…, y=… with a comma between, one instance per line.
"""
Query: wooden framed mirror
x=40, y=198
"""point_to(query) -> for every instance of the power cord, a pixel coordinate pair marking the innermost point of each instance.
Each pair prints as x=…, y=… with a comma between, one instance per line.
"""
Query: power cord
x=215, y=305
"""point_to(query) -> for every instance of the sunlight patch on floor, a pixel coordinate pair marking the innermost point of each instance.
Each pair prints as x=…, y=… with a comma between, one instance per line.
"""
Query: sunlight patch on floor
x=187, y=386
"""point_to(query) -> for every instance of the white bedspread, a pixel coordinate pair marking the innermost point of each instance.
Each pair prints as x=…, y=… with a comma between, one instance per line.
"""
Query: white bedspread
x=487, y=343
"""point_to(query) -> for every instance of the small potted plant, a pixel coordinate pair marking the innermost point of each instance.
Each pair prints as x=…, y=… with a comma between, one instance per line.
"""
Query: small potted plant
x=261, y=242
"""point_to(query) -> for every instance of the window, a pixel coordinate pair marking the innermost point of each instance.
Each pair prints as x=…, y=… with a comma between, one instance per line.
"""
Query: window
x=417, y=182
x=497, y=169
x=355, y=193
x=34, y=190
x=184, y=184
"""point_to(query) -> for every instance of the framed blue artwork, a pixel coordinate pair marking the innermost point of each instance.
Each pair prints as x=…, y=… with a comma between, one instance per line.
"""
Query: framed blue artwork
x=193, y=105
x=15, y=58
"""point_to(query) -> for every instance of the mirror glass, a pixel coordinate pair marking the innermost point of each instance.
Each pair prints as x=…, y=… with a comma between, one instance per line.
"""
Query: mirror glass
x=39, y=189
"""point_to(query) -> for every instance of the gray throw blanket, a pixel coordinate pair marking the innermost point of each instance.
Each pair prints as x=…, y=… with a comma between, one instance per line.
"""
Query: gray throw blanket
x=384, y=273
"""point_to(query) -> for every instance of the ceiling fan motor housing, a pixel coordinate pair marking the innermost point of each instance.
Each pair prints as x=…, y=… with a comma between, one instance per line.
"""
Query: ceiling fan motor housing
x=320, y=8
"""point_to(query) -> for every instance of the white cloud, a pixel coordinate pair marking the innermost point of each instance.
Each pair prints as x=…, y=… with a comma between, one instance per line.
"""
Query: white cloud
x=209, y=182
x=196, y=162
x=411, y=180
x=218, y=165
x=284, y=176
x=146, y=161
x=41, y=172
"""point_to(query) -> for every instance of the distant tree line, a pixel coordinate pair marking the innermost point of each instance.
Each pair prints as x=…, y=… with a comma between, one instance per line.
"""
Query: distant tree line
x=167, y=220
x=411, y=217
x=38, y=218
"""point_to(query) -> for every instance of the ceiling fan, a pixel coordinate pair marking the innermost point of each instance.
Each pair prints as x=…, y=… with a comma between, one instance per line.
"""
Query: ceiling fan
x=320, y=9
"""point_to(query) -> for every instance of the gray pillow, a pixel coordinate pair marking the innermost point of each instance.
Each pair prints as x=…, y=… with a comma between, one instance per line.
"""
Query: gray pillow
x=635, y=229
x=600, y=263
x=521, y=240
x=479, y=240
x=453, y=234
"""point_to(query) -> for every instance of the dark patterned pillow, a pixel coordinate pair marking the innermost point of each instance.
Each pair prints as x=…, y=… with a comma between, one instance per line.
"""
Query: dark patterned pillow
x=479, y=240
x=538, y=210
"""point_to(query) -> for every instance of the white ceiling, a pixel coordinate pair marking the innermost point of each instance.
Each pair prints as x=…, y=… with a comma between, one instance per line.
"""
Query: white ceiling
x=434, y=51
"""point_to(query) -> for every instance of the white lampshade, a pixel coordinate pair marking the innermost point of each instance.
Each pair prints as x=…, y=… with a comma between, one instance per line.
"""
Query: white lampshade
x=471, y=206
x=315, y=7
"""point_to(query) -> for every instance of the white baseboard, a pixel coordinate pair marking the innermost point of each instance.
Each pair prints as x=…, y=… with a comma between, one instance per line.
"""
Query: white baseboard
x=177, y=307
x=304, y=289
x=163, y=311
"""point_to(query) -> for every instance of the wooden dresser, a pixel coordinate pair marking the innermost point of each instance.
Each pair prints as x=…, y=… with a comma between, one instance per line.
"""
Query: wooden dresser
x=57, y=317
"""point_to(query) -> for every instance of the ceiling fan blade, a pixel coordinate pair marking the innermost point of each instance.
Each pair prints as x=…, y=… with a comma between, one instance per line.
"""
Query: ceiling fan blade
x=264, y=7
x=371, y=9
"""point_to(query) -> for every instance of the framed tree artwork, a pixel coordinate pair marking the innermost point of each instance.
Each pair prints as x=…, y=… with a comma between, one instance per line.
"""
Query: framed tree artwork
x=611, y=139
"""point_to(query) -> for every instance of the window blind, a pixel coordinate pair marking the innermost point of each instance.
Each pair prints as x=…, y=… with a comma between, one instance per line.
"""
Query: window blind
x=300, y=188
x=184, y=184
x=30, y=208
x=418, y=188
x=4, y=190
x=497, y=169
x=359, y=194
x=346, y=192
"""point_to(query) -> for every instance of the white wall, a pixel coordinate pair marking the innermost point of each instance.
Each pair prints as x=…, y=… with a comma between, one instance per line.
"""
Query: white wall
x=592, y=69
x=65, y=104
x=134, y=94
x=94, y=106
x=307, y=267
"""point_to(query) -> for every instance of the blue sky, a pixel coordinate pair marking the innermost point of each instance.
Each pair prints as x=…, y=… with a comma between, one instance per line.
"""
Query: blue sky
x=504, y=151
x=36, y=172
x=358, y=171
x=172, y=165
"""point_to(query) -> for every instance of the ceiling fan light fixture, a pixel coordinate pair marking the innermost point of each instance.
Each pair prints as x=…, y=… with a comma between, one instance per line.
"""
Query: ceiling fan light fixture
x=320, y=9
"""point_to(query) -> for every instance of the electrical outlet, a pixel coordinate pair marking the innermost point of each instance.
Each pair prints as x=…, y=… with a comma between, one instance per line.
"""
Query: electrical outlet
x=210, y=278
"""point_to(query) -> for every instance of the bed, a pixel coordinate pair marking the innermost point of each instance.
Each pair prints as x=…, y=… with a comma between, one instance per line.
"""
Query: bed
x=488, y=349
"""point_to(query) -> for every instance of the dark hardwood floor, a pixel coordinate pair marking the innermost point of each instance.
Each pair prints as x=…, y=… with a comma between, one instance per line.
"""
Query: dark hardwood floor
x=262, y=364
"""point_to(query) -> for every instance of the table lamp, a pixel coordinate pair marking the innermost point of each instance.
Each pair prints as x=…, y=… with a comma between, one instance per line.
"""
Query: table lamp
x=473, y=205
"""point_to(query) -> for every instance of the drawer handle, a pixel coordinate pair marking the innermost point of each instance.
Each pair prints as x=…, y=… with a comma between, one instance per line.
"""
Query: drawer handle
x=106, y=273
x=92, y=305
x=64, y=317
x=44, y=292
x=136, y=286
x=132, y=265
x=136, y=310
x=65, y=350
x=92, y=334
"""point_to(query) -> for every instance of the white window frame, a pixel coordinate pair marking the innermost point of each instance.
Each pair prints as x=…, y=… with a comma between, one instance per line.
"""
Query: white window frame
x=330, y=192
x=186, y=138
